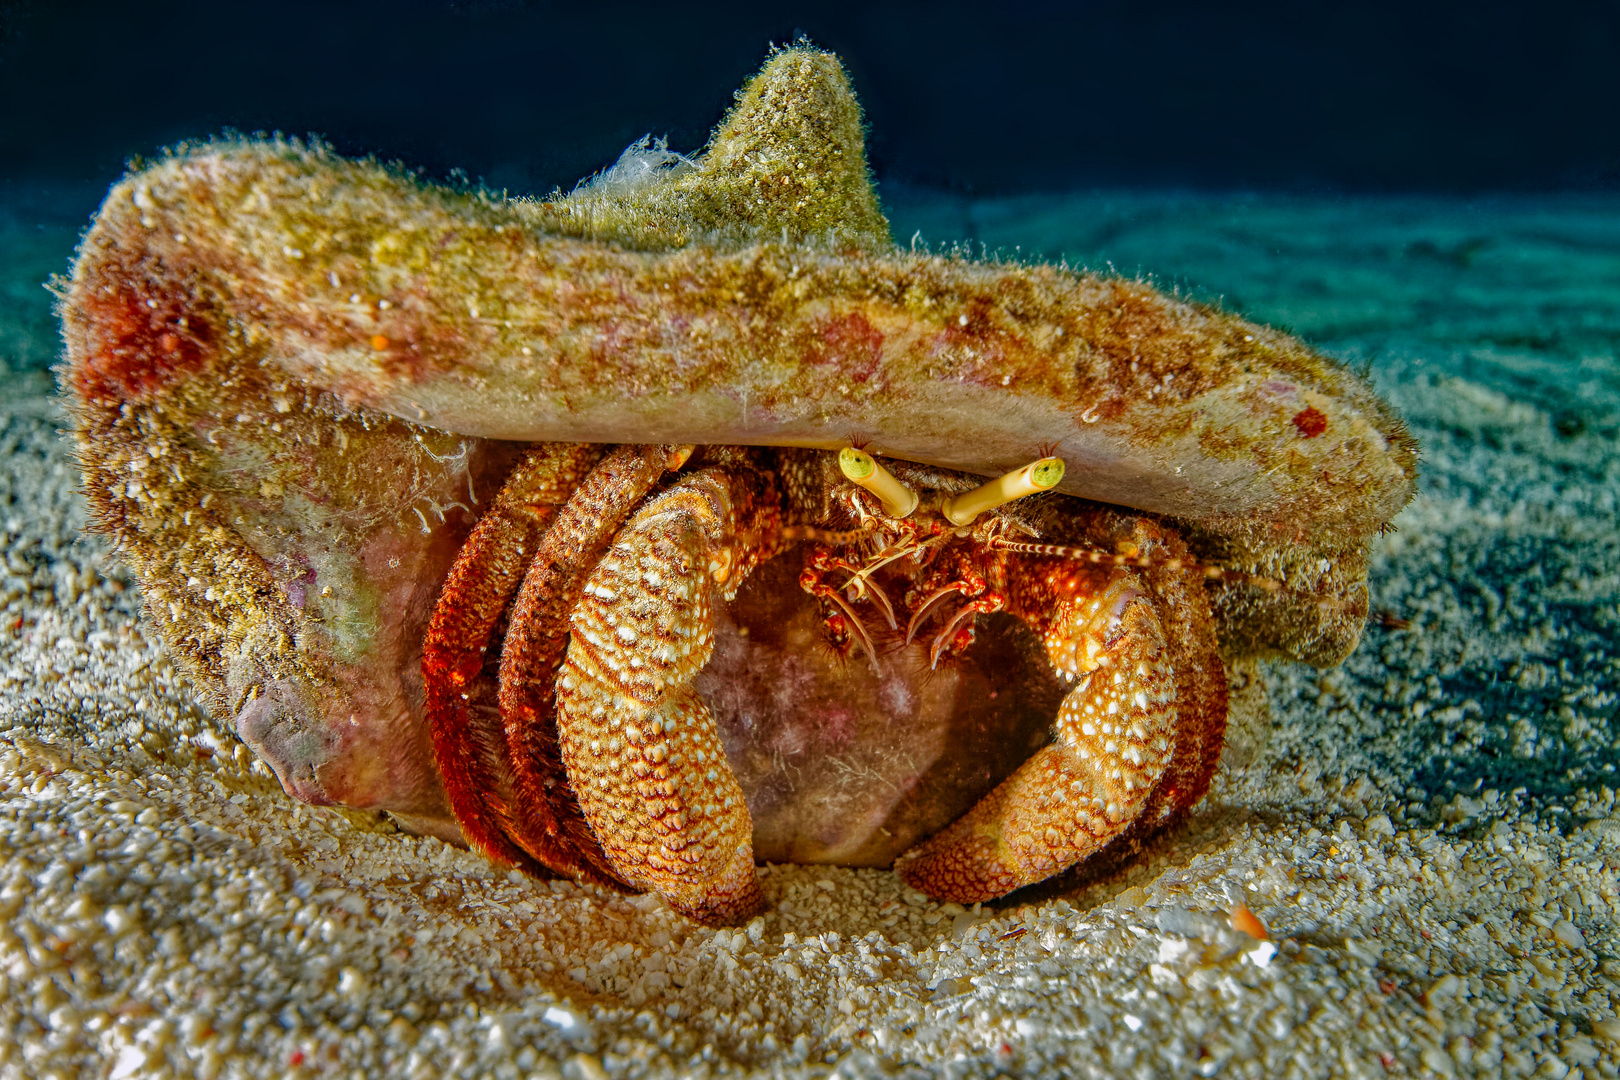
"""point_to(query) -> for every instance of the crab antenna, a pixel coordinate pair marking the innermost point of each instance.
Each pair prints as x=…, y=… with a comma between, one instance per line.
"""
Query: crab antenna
x=1037, y=476
x=1129, y=555
x=861, y=468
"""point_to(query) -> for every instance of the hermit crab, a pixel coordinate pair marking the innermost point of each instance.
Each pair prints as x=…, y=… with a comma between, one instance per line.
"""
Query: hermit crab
x=575, y=528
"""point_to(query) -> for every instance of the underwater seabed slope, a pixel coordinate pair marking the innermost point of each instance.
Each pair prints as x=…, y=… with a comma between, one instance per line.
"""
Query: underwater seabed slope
x=1429, y=832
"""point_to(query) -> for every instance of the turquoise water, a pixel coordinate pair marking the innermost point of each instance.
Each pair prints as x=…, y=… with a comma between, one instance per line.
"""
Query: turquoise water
x=39, y=226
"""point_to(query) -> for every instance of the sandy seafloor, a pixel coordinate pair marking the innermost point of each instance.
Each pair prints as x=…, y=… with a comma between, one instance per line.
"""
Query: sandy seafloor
x=1430, y=832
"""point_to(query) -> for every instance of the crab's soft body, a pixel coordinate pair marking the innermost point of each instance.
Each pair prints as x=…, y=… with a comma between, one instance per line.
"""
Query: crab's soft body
x=299, y=381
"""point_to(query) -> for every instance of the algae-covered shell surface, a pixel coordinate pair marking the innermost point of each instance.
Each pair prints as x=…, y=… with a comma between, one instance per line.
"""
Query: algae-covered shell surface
x=294, y=376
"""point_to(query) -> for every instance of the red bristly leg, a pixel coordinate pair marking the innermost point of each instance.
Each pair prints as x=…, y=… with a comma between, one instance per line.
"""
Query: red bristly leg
x=468, y=744
x=536, y=638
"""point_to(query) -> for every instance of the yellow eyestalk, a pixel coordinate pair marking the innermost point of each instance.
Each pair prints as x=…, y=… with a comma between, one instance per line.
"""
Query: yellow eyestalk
x=861, y=468
x=1036, y=477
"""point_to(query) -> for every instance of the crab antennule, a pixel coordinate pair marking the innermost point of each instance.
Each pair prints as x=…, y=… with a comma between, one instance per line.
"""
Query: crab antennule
x=1032, y=479
x=831, y=537
x=862, y=468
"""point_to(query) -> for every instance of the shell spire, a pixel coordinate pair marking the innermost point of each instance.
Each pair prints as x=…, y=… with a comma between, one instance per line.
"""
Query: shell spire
x=787, y=163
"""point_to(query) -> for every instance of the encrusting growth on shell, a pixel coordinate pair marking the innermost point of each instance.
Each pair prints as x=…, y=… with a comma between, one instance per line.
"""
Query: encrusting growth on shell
x=788, y=163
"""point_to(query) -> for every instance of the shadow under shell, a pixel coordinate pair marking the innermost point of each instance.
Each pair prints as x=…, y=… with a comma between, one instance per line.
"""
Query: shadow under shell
x=844, y=764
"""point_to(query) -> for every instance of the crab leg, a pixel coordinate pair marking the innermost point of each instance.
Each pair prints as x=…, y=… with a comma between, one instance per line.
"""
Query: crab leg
x=469, y=745
x=811, y=583
x=641, y=747
x=1113, y=739
x=946, y=639
x=968, y=585
x=536, y=638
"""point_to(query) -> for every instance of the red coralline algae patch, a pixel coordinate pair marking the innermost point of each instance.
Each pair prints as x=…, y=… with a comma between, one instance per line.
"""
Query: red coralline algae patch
x=853, y=344
x=138, y=341
x=1310, y=422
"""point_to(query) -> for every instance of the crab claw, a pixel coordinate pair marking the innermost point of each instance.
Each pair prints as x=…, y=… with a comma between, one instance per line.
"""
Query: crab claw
x=1113, y=739
x=640, y=745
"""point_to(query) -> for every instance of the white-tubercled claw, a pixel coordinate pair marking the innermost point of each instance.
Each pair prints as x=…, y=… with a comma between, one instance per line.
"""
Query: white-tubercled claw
x=641, y=747
x=1113, y=739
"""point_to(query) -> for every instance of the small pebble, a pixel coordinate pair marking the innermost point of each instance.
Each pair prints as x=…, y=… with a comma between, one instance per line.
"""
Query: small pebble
x=1247, y=922
x=1569, y=934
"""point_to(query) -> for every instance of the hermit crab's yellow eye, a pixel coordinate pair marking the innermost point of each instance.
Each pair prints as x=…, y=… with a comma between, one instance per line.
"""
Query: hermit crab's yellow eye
x=861, y=468
x=1037, y=476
